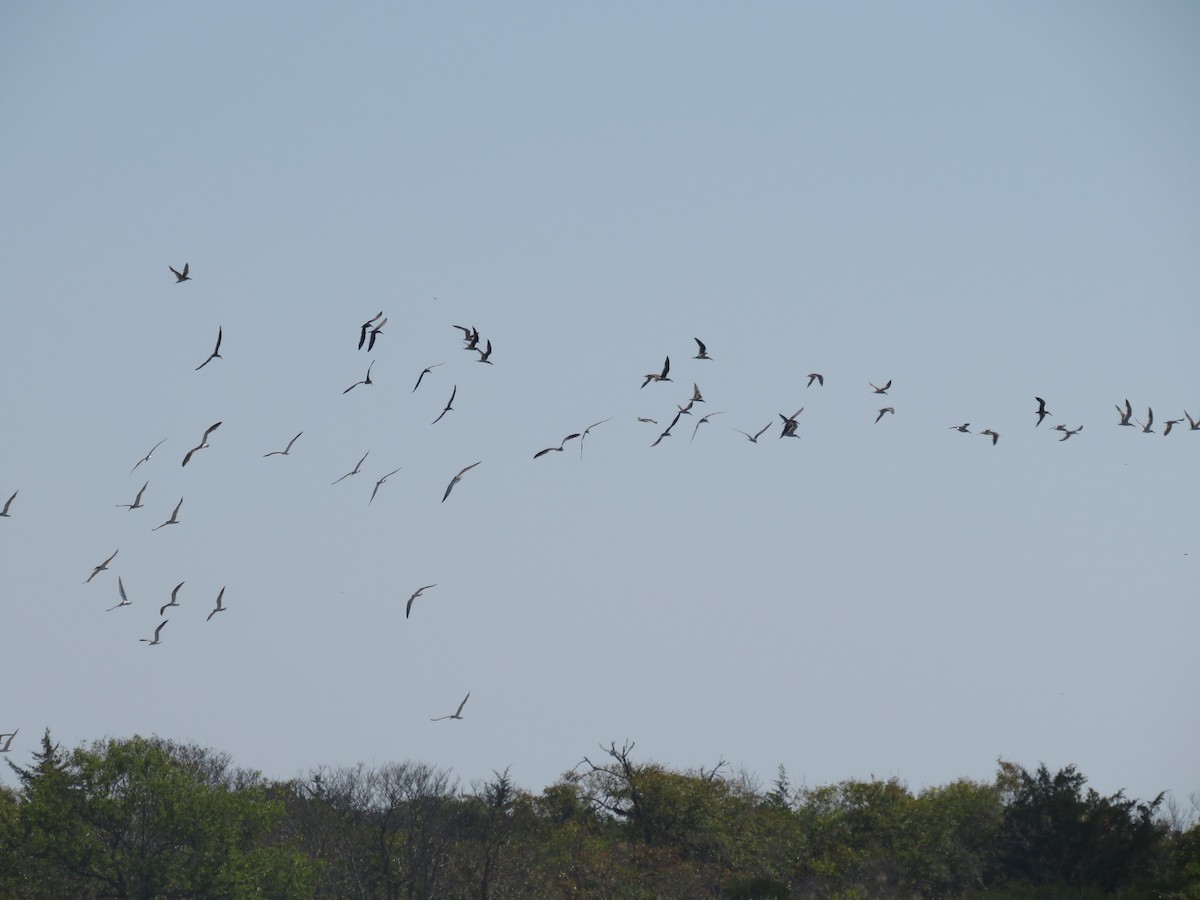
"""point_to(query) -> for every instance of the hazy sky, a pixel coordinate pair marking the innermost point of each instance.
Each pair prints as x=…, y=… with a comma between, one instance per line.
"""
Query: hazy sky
x=983, y=203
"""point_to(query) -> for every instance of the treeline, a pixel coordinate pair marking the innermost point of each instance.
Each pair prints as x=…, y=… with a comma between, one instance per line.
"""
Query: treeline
x=149, y=818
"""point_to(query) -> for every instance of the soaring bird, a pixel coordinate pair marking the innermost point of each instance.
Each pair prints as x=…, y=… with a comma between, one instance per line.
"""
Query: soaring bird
x=286, y=450
x=1146, y=429
x=703, y=354
x=583, y=434
x=963, y=428
x=457, y=478
x=1042, y=412
x=8, y=744
x=696, y=396
x=753, y=438
x=885, y=411
x=362, y=337
x=484, y=354
x=219, y=607
x=994, y=435
x=125, y=601
x=701, y=422
x=379, y=482
x=1170, y=423
x=366, y=380
x=180, y=277
x=881, y=390
x=818, y=378
x=216, y=354
x=457, y=712
x=146, y=458
x=449, y=406
x=103, y=567
x=203, y=445
x=157, y=632
x=654, y=376
x=558, y=449
x=4, y=512
x=790, y=424
x=375, y=332
x=174, y=601
x=174, y=520
x=417, y=593
x=425, y=371
x=1193, y=424
x=357, y=468
x=1068, y=433
x=136, y=504
x=470, y=336
x=1126, y=414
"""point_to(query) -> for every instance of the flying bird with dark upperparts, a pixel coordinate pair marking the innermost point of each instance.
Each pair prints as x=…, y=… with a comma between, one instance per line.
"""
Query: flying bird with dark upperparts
x=703, y=354
x=700, y=422
x=881, y=390
x=457, y=713
x=125, y=601
x=157, y=632
x=216, y=354
x=753, y=438
x=203, y=445
x=449, y=405
x=375, y=332
x=5, y=513
x=484, y=354
x=180, y=277
x=1170, y=423
x=425, y=371
x=457, y=478
x=8, y=744
x=136, y=504
x=174, y=601
x=1067, y=432
x=994, y=435
x=885, y=411
x=583, y=434
x=362, y=336
x=1193, y=424
x=963, y=428
x=1126, y=414
x=219, y=607
x=696, y=395
x=817, y=377
x=1146, y=429
x=146, y=458
x=379, y=482
x=1042, y=412
x=790, y=424
x=557, y=449
x=648, y=421
x=654, y=376
x=417, y=593
x=103, y=567
x=174, y=520
x=366, y=380
x=286, y=451
x=470, y=336
x=357, y=468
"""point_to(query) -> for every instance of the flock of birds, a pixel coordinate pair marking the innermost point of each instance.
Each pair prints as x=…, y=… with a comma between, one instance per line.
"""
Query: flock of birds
x=368, y=334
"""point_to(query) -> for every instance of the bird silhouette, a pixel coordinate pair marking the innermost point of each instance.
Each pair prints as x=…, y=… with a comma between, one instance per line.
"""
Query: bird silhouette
x=457, y=713
x=180, y=277
x=216, y=354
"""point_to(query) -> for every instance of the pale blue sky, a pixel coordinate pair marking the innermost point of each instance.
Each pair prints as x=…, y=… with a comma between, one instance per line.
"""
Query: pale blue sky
x=982, y=202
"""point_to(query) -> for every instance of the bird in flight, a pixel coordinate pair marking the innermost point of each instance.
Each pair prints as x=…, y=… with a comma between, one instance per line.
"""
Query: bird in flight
x=174, y=520
x=703, y=354
x=457, y=478
x=457, y=712
x=366, y=380
x=817, y=377
x=1042, y=412
x=216, y=354
x=1146, y=429
x=1193, y=424
x=103, y=567
x=136, y=504
x=1170, y=423
x=649, y=421
x=417, y=593
x=10, y=735
x=180, y=277
x=157, y=632
x=484, y=354
x=1067, y=432
x=125, y=601
x=470, y=336
x=362, y=337
x=884, y=411
x=203, y=445
x=963, y=428
x=378, y=483
x=701, y=422
x=286, y=450
x=1126, y=414
x=790, y=424
x=654, y=376
x=4, y=512
x=146, y=458
x=583, y=434
x=880, y=390
x=357, y=468
x=174, y=602
x=219, y=607
x=449, y=406
x=375, y=332
x=425, y=371
x=753, y=438
x=994, y=435
x=558, y=448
